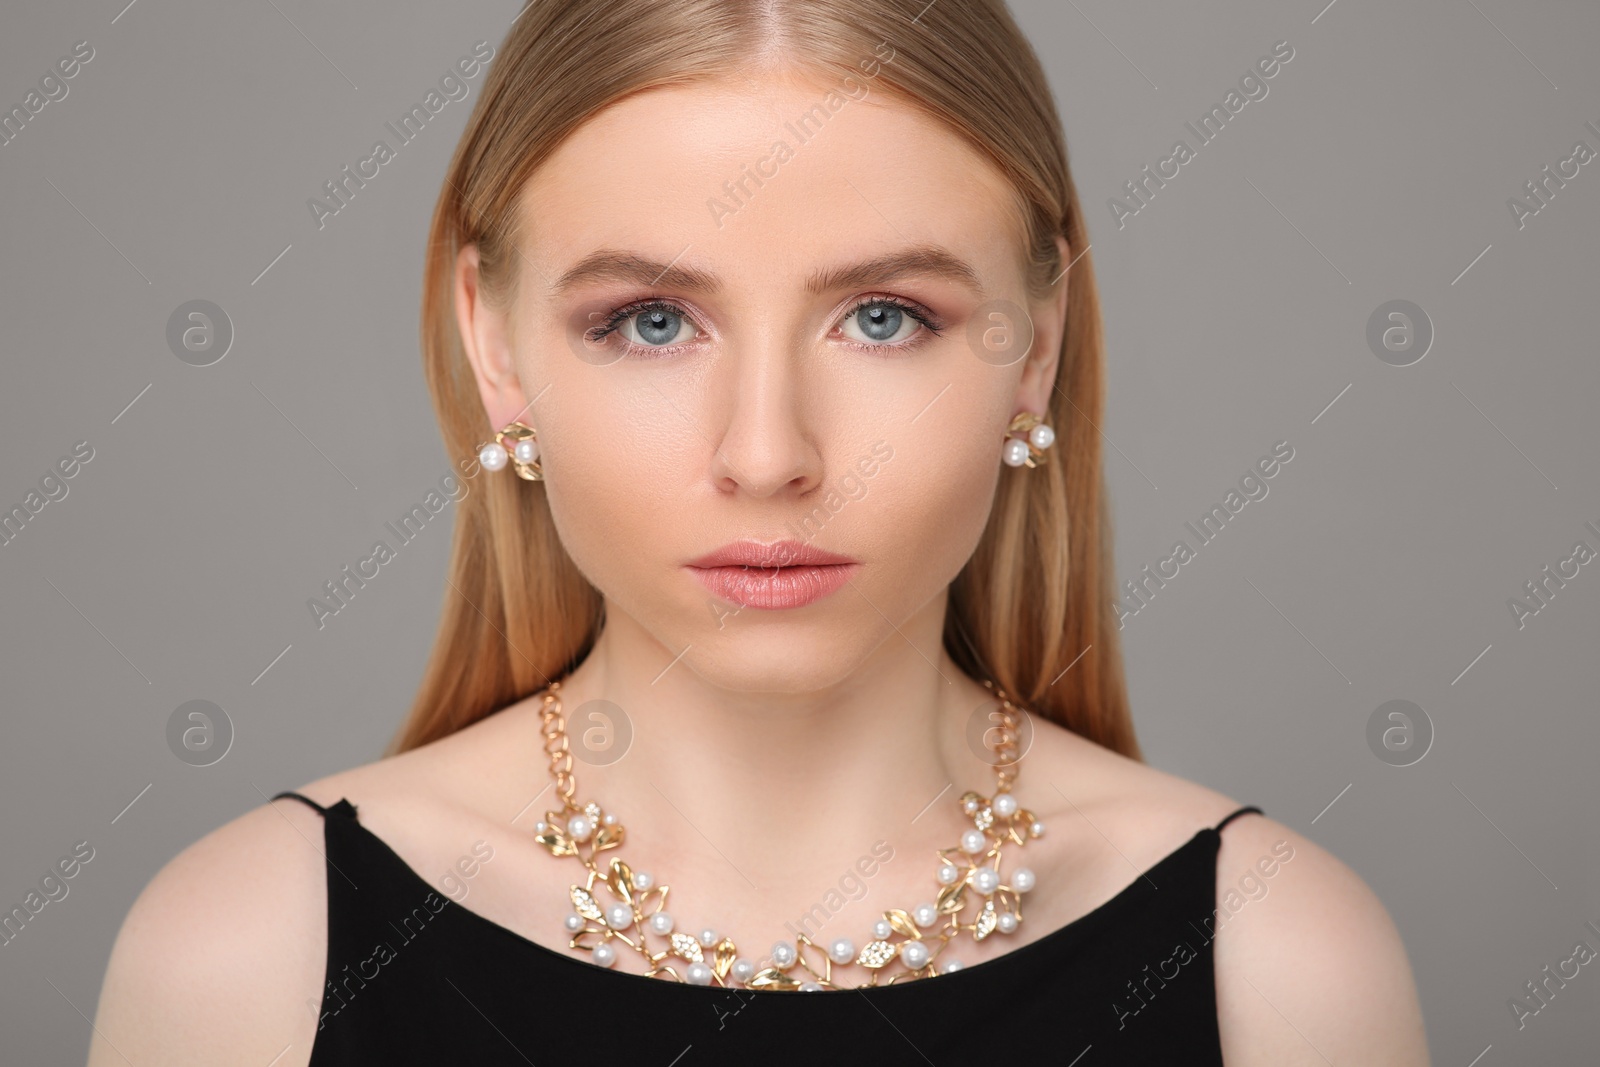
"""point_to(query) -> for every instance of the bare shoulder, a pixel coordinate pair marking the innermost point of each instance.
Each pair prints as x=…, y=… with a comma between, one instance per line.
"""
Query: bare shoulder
x=1309, y=965
x=220, y=959
x=219, y=954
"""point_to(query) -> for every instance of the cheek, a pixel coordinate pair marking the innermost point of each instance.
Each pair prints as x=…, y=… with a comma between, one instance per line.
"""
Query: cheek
x=619, y=493
x=928, y=507
x=960, y=495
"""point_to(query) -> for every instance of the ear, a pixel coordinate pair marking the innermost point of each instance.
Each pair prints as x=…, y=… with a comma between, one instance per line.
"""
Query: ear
x=486, y=338
x=1049, y=326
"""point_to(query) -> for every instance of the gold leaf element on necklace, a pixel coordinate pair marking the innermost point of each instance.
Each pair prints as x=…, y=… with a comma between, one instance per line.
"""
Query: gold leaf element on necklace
x=609, y=837
x=877, y=954
x=987, y=919
x=658, y=893
x=726, y=954
x=584, y=904
x=620, y=880
x=558, y=843
x=554, y=837
x=951, y=899
x=805, y=949
x=687, y=947
x=771, y=978
x=902, y=922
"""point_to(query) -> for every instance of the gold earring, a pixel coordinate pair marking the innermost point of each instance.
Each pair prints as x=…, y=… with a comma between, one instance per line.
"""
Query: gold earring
x=523, y=453
x=1026, y=451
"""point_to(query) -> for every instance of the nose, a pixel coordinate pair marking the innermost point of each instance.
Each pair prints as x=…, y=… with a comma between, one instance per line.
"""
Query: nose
x=762, y=414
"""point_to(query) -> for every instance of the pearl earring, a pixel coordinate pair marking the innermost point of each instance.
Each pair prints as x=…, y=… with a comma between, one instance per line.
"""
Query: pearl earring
x=524, y=452
x=1029, y=451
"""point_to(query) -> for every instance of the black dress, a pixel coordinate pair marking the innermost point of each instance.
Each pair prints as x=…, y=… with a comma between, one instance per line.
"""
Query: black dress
x=414, y=978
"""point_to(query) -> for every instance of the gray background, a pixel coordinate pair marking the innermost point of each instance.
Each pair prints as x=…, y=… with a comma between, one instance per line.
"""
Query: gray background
x=1379, y=566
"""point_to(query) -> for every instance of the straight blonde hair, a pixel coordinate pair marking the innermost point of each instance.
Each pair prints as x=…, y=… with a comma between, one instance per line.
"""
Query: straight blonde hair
x=1032, y=610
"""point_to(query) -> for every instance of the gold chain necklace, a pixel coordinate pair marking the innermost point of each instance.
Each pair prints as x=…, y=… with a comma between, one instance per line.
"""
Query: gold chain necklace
x=905, y=945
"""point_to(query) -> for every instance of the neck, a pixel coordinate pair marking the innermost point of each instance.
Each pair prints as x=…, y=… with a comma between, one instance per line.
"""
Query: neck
x=811, y=767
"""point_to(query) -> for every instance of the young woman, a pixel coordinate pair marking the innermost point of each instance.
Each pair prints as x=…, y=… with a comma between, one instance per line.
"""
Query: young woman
x=781, y=579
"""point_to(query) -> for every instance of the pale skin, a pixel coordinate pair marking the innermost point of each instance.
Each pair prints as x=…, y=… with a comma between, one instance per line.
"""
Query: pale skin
x=782, y=744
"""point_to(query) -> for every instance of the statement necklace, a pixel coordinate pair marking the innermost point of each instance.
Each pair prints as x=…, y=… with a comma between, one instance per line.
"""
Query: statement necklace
x=904, y=945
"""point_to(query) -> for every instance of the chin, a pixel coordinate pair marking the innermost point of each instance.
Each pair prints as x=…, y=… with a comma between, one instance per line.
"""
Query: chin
x=779, y=652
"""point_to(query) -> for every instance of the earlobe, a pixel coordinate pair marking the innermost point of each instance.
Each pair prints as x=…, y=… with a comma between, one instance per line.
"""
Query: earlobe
x=485, y=339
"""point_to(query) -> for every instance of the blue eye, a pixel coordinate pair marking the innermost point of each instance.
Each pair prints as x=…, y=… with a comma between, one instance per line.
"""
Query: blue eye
x=885, y=322
x=647, y=325
x=658, y=326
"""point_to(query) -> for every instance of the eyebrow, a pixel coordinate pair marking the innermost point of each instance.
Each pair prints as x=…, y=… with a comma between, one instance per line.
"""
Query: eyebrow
x=609, y=264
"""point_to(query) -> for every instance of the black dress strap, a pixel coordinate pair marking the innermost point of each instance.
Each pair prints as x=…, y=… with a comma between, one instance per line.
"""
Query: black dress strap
x=290, y=793
x=1242, y=811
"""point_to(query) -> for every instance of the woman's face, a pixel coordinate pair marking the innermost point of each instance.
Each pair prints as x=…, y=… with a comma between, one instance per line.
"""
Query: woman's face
x=756, y=312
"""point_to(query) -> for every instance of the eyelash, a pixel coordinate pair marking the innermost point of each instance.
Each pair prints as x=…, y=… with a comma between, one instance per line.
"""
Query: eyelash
x=622, y=314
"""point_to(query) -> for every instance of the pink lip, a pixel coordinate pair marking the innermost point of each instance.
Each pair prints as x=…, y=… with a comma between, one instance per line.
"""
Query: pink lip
x=785, y=574
x=775, y=587
x=787, y=553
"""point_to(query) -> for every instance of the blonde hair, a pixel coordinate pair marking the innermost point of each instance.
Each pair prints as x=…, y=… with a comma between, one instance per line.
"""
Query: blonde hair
x=1036, y=596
